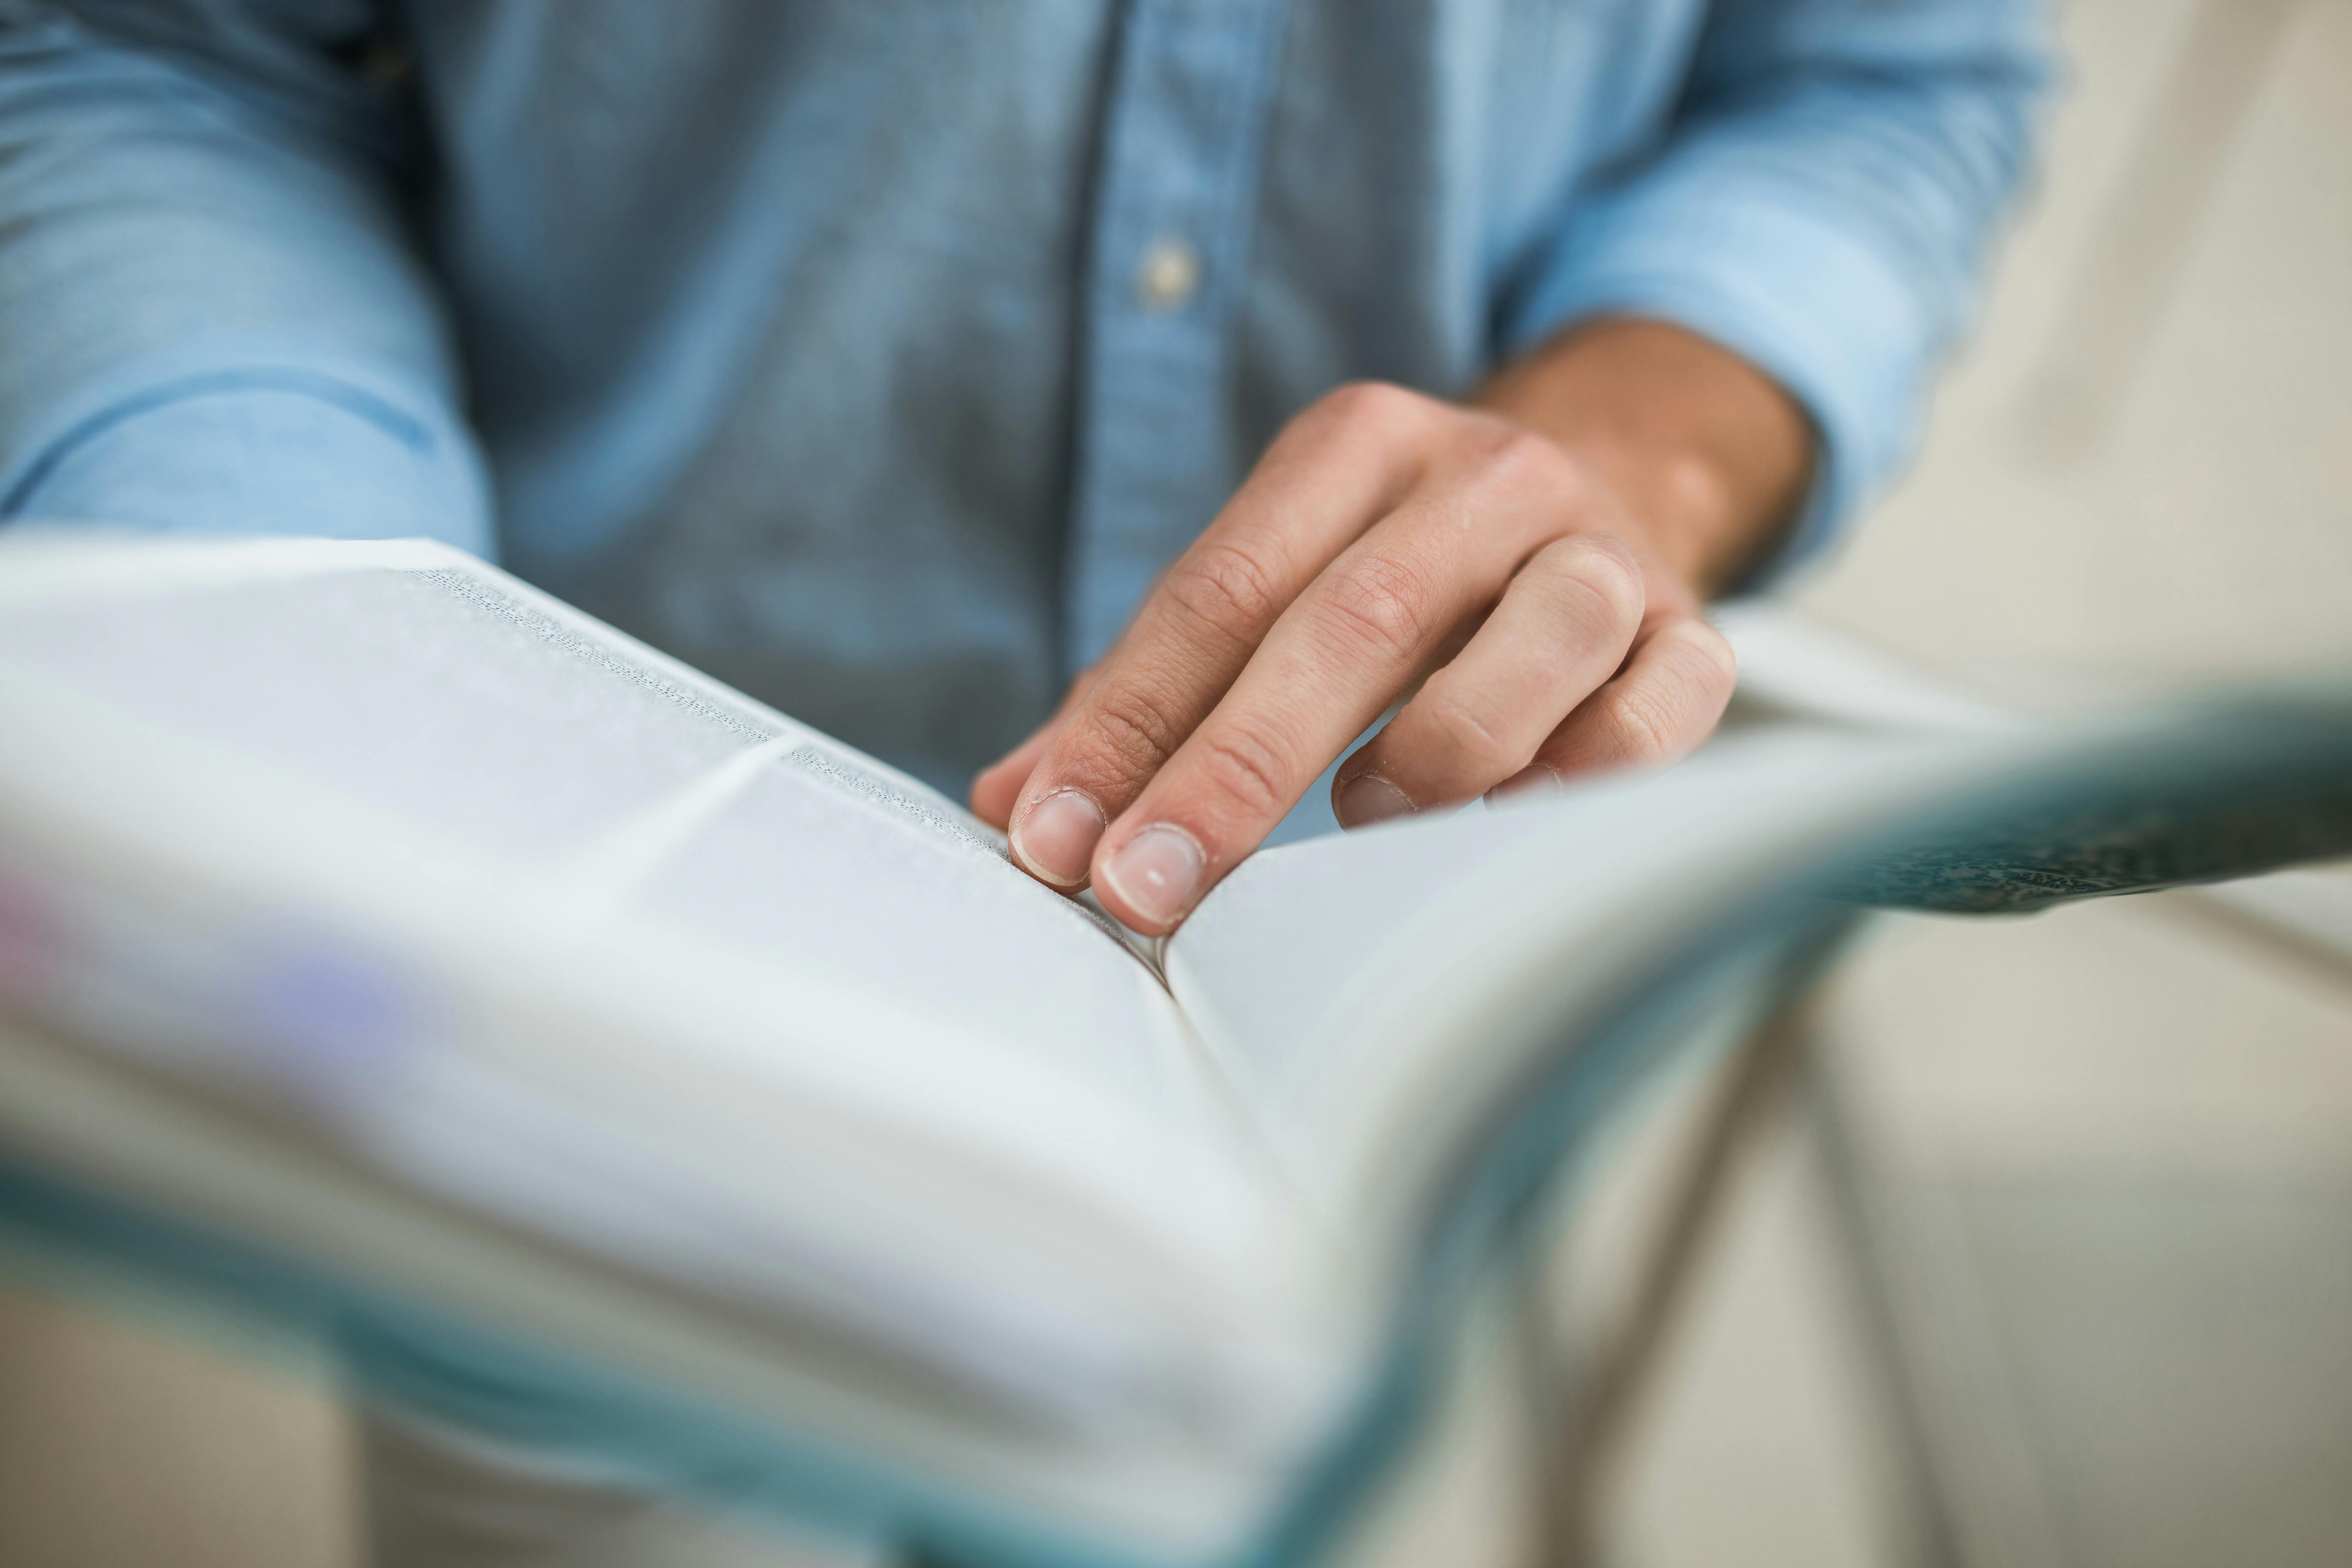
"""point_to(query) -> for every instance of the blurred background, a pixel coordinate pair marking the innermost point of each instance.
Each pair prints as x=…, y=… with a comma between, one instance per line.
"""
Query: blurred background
x=2078, y=1186
x=2112, y=1143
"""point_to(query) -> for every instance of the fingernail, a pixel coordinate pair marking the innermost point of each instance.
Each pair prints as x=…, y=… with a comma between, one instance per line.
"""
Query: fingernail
x=1368, y=798
x=1057, y=837
x=1535, y=776
x=1158, y=874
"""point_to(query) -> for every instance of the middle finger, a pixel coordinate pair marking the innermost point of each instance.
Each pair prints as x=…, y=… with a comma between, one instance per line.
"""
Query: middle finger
x=1356, y=638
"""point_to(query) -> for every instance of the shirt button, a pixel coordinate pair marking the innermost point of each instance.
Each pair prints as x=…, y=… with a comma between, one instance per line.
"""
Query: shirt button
x=1169, y=274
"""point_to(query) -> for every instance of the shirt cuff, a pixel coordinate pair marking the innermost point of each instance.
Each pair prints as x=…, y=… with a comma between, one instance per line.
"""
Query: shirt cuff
x=254, y=449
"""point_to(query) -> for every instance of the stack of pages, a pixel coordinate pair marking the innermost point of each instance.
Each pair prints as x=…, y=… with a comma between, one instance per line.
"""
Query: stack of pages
x=381, y=936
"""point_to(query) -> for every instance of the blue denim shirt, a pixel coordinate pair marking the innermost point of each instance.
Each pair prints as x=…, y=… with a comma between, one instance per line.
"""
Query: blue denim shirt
x=874, y=355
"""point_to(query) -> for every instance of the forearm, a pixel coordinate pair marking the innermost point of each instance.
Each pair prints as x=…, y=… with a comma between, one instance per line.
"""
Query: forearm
x=1710, y=457
x=1819, y=208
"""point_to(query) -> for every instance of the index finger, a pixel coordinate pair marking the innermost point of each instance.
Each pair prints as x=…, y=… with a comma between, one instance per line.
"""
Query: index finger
x=1331, y=473
x=1349, y=643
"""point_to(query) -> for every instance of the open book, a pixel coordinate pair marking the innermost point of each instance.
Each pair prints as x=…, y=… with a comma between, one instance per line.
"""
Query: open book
x=381, y=936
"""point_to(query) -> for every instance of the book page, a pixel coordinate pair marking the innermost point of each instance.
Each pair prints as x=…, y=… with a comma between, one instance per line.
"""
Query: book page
x=1378, y=1000
x=812, y=996
x=1359, y=992
x=554, y=753
x=390, y=674
x=384, y=843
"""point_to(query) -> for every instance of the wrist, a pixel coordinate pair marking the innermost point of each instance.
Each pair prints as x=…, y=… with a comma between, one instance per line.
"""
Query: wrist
x=1710, y=457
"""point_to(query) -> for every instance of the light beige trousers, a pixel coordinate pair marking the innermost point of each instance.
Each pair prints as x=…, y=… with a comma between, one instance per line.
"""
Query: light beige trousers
x=439, y=1498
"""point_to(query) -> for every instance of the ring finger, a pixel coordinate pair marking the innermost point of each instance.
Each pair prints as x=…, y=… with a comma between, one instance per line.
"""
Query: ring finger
x=1562, y=626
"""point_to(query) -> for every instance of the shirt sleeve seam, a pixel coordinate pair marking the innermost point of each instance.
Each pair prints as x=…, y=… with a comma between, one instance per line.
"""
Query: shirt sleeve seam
x=376, y=411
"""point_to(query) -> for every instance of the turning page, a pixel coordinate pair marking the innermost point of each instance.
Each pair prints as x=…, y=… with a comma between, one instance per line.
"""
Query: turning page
x=1352, y=988
x=1376, y=1000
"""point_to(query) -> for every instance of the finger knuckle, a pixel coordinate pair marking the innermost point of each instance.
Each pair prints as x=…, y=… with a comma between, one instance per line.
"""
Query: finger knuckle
x=1598, y=569
x=1135, y=728
x=1642, y=722
x=1473, y=738
x=1227, y=588
x=1381, y=408
x=1378, y=605
x=1708, y=655
x=1517, y=460
x=1247, y=767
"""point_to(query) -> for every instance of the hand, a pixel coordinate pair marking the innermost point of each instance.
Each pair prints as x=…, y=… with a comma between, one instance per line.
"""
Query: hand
x=1391, y=545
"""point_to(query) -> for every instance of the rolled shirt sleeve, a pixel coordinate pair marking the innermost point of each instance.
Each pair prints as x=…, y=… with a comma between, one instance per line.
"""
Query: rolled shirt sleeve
x=211, y=311
x=1821, y=205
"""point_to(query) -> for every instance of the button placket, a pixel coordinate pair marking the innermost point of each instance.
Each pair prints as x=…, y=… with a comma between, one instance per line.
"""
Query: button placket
x=1174, y=204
